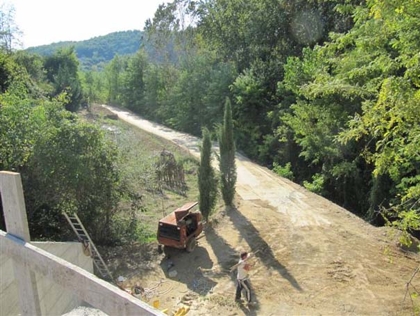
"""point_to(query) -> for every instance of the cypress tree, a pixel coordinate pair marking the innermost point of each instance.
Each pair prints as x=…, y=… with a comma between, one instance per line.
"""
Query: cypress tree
x=227, y=156
x=207, y=181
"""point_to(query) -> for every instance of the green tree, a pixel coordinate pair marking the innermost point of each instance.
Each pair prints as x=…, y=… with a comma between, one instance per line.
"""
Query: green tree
x=94, y=86
x=66, y=165
x=390, y=120
x=207, y=180
x=9, y=32
x=330, y=83
x=371, y=75
x=73, y=169
x=34, y=65
x=132, y=94
x=7, y=70
x=252, y=103
x=62, y=71
x=154, y=87
x=114, y=72
x=195, y=98
x=227, y=156
x=261, y=35
x=20, y=124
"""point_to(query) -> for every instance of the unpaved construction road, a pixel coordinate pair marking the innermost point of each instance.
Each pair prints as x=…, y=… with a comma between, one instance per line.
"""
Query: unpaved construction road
x=315, y=258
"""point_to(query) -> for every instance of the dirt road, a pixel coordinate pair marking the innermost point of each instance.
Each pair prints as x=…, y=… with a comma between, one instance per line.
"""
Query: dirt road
x=315, y=257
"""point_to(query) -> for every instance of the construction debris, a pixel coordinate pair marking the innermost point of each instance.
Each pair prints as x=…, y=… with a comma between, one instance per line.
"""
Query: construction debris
x=182, y=311
x=172, y=273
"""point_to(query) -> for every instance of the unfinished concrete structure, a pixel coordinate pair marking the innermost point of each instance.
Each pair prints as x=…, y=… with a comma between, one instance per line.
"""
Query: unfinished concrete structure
x=40, y=279
x=53, y=299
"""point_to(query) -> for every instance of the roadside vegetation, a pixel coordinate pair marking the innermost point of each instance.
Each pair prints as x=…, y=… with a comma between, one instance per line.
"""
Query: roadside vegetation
x=323, y=92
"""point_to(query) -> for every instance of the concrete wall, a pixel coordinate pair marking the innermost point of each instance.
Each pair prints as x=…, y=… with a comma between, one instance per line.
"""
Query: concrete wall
x=54, y=300
x=29, y=259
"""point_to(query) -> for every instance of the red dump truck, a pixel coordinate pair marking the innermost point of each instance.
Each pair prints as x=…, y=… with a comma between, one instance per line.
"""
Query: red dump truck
x=181, y=228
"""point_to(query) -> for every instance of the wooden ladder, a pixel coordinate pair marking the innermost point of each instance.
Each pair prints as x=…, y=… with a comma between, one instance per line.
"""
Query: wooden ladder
x=84, y=238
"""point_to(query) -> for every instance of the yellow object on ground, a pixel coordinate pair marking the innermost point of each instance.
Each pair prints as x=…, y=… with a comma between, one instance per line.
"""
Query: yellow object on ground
x=182, y=311
x=156, y=304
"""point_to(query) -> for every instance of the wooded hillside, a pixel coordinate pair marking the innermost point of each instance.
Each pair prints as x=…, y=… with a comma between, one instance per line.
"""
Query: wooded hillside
x=97, y=51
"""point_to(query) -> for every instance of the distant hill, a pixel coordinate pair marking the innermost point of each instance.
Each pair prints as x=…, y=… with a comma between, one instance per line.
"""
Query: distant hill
x=99, y=50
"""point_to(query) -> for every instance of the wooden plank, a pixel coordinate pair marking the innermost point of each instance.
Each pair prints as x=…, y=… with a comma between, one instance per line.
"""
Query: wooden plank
x=98, y=293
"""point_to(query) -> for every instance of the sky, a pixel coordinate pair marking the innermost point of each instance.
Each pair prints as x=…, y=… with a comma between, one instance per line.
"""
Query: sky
x=47, y=21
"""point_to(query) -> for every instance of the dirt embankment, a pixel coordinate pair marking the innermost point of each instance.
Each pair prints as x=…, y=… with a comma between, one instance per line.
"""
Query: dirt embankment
x=315, y=257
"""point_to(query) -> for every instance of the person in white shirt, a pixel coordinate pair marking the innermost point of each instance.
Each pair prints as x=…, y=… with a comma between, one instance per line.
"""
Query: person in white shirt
x=242, y=283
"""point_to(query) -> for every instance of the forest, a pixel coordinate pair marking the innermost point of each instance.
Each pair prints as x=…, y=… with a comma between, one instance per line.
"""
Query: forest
x=323, y=92
x=94, y=53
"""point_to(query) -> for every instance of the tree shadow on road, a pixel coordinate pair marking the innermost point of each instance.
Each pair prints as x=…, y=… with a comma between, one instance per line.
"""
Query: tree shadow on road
x=255, y=242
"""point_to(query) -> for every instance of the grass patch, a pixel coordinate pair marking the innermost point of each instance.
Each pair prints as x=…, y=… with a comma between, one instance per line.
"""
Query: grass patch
x=139, y=152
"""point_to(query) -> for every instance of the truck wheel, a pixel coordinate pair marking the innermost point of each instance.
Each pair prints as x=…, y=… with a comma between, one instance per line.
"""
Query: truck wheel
x=191, y=244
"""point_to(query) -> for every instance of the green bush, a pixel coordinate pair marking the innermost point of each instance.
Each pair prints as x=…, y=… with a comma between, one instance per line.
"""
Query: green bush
x=317, y=184
x=284, y=171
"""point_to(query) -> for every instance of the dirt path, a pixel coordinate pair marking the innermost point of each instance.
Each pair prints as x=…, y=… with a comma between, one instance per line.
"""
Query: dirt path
x=315, y=257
